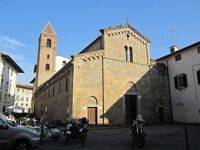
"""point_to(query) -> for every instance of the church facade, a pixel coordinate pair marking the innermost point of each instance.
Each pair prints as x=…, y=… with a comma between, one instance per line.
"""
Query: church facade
x=103, y=81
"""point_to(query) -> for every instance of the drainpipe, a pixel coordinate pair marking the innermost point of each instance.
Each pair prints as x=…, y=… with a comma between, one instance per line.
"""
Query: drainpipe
x=103, y=89
x=170, y=98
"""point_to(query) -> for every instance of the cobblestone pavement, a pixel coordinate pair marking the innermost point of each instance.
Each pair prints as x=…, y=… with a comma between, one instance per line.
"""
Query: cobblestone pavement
x=158, y=138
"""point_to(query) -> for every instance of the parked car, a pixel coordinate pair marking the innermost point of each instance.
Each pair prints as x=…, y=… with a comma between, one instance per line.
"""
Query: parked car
x=16, y=137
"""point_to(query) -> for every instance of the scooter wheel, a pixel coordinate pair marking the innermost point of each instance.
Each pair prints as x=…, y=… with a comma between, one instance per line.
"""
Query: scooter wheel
x=66, y=141
x=55, y=138
x=140, y=141
x=83, y=141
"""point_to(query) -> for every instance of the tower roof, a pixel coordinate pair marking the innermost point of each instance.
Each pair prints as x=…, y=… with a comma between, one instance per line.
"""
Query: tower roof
x=49, y=29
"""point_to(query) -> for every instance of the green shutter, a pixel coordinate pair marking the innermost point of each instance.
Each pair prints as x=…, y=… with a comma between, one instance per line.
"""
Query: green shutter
x=198, y=76
x=185, y=80
x=176, y=82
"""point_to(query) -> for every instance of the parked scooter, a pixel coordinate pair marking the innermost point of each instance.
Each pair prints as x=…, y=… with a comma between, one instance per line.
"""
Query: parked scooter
x=138, y=132
x=50, y=130
x=76, y=129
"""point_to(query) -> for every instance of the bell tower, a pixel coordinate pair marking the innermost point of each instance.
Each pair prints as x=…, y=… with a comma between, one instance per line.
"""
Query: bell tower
x=45, y=68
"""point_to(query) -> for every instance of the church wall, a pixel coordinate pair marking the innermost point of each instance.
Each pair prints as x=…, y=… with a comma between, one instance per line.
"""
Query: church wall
x=87, y=85
x=116, y=40
x=54, y=99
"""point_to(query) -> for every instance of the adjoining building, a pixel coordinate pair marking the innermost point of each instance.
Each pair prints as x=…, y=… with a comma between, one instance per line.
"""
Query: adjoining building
x=23, y=97
x=8, y=75
x=61, y=62
x=184, y=79
x=103, y=81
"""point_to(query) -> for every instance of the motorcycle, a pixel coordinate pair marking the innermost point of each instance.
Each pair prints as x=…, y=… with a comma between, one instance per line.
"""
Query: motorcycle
x=138, y=132
x=76, y=130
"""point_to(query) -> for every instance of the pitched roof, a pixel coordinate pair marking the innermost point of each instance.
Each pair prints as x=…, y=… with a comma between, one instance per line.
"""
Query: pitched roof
x=181, y=50
x=10, y=61
x=49, y=29
x=30, y=87
x=125, y=26
x=98, y=38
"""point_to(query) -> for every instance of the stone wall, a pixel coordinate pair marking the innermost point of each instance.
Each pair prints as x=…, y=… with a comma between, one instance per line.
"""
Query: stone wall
x=54, y=97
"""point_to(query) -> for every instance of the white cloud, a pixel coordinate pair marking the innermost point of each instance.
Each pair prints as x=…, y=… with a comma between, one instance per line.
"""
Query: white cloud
x=11, y=43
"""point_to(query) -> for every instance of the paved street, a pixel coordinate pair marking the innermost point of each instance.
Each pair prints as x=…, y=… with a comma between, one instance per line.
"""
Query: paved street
x=158, y=138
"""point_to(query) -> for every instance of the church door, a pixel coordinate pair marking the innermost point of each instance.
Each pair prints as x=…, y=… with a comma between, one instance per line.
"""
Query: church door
x=131, y=108
x=92, y=115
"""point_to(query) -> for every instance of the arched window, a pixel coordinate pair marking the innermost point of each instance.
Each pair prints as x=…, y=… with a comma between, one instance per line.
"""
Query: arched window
x=126, y=52
x=47, y=67
x=48, y=56
x=59, y=88
x=48, y=43
x=131, y=54
x=53, y=91
x=66, y=84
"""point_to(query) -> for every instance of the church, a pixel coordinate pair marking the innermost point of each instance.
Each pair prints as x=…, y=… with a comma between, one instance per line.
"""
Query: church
x=103, y=81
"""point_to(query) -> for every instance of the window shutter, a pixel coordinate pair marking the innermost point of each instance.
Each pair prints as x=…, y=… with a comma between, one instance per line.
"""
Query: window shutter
x=185, y=80
x=198, y=76
x=176, y=82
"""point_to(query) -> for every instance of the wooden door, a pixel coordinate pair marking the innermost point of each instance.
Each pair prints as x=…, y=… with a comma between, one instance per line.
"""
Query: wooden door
x=92, y=115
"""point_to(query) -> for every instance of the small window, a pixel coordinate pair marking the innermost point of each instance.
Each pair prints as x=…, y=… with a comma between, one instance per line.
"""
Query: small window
x=198, y=49
x=126, y=53
x=198, y=76
x=48, y=56
x=178, y=57
x=47, y=67
x=48, y=43
x=180, y=81
x=131, y=54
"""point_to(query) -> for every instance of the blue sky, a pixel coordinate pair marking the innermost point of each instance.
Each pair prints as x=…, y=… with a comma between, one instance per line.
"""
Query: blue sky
x=77, y=23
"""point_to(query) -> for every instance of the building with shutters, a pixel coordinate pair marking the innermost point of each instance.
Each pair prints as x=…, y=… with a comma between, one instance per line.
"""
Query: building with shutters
x=23, y=97
x=103, y=81
x=184, y=80
x=8, y=77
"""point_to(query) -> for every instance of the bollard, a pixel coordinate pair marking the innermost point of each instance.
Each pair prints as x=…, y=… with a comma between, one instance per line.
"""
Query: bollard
x=186, y=137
